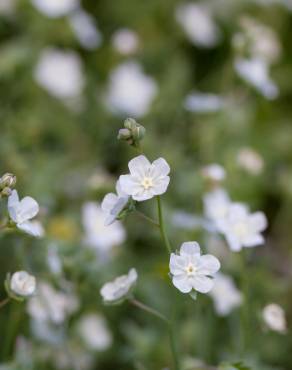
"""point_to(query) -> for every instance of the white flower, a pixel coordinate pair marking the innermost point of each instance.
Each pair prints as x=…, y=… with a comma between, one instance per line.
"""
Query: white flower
x=130, y=91
x=60, y=73
x=85, y=29
x=55, y=8
x=97, y=235
x=214, y=172
x=51, y=305
x=225, y=295
x=23, y=284
x=94, y=332
x=190, y=270
x=198, y=24
x=146, y=179
x=203, y=103
x=241, y=228
x=274, y=317
x=250, y=160
x=216, y=205
x=22, y=211
x=255, y=72
x=113, y=204
x=118, y=289
x=125, y=41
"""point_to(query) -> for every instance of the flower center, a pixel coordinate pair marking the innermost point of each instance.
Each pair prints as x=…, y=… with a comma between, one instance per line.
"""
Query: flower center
x=190, y=269
x=147, y=183
x=240, y=229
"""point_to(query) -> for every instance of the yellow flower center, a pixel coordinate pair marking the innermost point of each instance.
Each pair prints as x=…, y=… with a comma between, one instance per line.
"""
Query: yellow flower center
x=147, y=183
x=190, y=269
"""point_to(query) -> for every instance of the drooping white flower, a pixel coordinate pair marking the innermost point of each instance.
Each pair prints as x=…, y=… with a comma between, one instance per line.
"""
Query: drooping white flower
x=146, y=179
x=84, y=26
x=242, y=228
x=191, y=270
x=198, y=24
x=22, y=211
x=55, y=8
x=274, y=317
x=255, y=72
x=214, y=172
x=125, y=41
x=216, y=205
x=94, y=332
x=60, y=73
x=225, y=295
x=23, y=284
x=203, y=103
x=113, y=204
x=97, y=235
x=51, y=305
x=130, y=91
x=118, y=289
x=250, y=160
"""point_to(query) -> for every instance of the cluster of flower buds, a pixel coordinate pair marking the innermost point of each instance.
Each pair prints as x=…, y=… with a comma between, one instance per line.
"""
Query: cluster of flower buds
x=7, y=183
x=20, y=285
x=132, y=132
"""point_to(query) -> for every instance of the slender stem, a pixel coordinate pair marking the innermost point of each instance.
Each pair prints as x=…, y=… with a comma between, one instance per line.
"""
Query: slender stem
x=149, y=219
x=173, y=347
x=148, y=309
x=161, y=225
x=244, y=312
x=4, y=302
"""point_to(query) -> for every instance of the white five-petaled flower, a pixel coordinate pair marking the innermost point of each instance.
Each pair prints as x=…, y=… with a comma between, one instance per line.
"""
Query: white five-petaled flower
x=22, y=211
x=118, y=289
x=113, y=204
x=191, y=270
x=22, y=284
x=242, y=228
x=146, y=179
x=274, y=317
x=216, y=205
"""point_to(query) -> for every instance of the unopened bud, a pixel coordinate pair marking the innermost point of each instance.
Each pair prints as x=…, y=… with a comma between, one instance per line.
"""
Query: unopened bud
x=132, y=132
x=138, y=132
x=7, y=180
x=124, y=134
x=5, y=192
x=130, y=123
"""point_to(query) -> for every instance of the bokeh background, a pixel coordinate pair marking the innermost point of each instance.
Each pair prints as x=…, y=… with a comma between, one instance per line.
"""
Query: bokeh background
x=211, y=82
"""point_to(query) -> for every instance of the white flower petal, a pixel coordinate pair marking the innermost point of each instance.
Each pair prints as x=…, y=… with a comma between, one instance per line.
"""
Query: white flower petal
x=190, y=248
x=202, y=284
x=177, y=264
x=208, y=265
x=109, y=202
x=139, y=165
x=28, y=208
x=161, y=186
x=253, y=240
x=13, y=202
x=182, y=283
x=128, y=184
x=233, y=243
x=258, y=221
x=161, y=167
x=33, y=228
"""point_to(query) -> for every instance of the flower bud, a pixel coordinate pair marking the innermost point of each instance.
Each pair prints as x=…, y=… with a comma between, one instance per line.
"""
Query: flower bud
x=7, y=180
x=130, y=124
x=124, y=134
x=20, y=285
x=132, y=132
x=138, y=133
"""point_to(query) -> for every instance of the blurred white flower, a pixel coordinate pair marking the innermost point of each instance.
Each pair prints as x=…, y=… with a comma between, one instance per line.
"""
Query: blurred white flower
x=250, y=160
x=146, y=179
x=60, y=73
x=203, y=102
x=241, y=228
x=255, y=71
x=125, y=41
x=274, y=317
x=214, y=172
x=55, y=8
x=23, y=284
x=130, y=91
x=51, y=305
x=225, y=295
x=22, y=211
x=97, y=235
x=113, y=204
x=84, y=26
x=216, y=205
x=118, y=289
x=94, y=332
x=7, y=7
x=198, y=24
x=186, y=220
x=191, y=270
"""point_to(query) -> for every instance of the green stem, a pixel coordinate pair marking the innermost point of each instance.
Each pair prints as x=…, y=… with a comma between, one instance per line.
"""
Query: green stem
x=244, y=311
x=173, y=347
x=149, y=219
x=148, y=309
x=161, y=225
x=4, y=302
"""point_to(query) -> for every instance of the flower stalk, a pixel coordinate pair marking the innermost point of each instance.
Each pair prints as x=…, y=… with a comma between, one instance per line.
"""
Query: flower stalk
x=161, y=225
x=4, y=302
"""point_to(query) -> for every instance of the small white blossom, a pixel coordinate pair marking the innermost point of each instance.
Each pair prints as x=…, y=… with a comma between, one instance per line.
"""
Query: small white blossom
x=22, y=211
x=274, y=317
x=225, y=295
x=97, y=235
x=250, y=160
x=55, y=8
x=119, y=289
x=125, y=41
x=198, y=24
x=191, y=270
x=23, y=284
x=130, y=91
x=203, y=103
x=214, y=172
x=113, y=204
x=146, y=179
x=94, y=332
x=216, y=205
x=60, y=73
x=242, y=228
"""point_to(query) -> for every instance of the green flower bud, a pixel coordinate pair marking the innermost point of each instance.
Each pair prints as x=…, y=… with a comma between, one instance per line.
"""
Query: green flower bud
x=124, y=134
x=130, y=123
x=7, y=180
x=138, y=132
